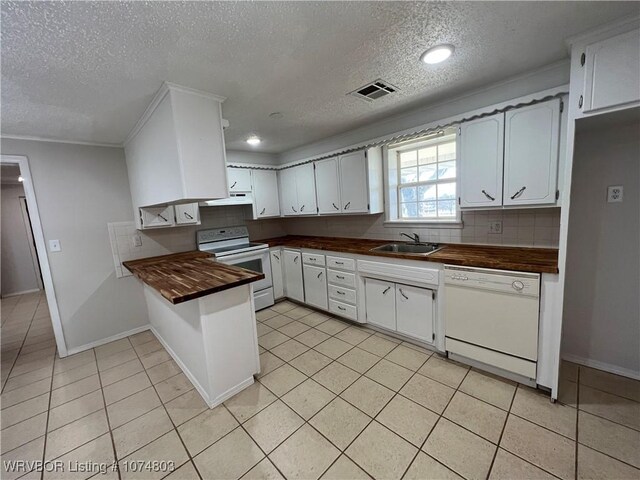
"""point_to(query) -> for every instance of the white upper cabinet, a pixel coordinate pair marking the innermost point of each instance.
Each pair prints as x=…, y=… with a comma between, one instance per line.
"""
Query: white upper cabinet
x=156, y=217
x=265, y=194
x=298, y=190
x=328, y=186
x=176, y=151
x=353, y=182
x=531, y=154
x=239, y=180
x=187, y=214
x=481, y=154
x=306, y=189
x=288, y=192
x=611, y=72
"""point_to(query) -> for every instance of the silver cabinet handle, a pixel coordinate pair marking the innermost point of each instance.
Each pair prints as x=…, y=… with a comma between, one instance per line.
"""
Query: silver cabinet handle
x=402, y=293
x=346, y=207
x=188, y=216
x=335, y=206
x=488, y=196
x=294, y=209
x=234, y=184
x=163, y=218
x=313, y=259
x=302, y=208
x=340, y=293
x=386, y=290
x=340, y=277
x=263, y=210
x=277, y=257
x=339, y=263
x=341, y=308
x=320, y=274
x=295, y=260
x=580, y=102
x=518, y=193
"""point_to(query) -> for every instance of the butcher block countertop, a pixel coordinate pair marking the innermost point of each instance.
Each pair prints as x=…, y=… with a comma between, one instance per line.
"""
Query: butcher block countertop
x=523, y=259
x=184, y=276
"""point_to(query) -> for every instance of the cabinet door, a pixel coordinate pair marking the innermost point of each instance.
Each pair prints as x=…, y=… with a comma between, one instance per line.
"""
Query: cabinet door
x=612, y=72
x=380, y=303
x=531, y=154
x=265, y=193
x=315, y=286
x=239, y=179
x=187, y=214
x=481, y=154
x=414, y=312
x=306, y=189
x=288, y=192
x=276, y=273
x=293, y=287
x=353, y=180
x=328, y=186
x=155, y=217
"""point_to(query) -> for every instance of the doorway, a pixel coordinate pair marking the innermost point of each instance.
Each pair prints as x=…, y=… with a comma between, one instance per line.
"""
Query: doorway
x=28, y=228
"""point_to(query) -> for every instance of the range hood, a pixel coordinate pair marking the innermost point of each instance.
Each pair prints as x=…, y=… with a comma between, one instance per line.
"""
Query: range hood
x=234, y=199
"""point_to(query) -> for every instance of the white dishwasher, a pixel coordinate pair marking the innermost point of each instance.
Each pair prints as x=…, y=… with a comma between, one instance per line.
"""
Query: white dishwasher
x=492, y=316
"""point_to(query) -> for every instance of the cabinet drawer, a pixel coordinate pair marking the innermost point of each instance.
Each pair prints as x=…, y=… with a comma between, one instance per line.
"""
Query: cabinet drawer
x=341, y=262
x=341, y=278
x=311, y=259
x=342, y=294
x=342, y=309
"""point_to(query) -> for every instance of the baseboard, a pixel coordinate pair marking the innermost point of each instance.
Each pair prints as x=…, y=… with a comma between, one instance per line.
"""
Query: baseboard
x=24, y=292
x=103, y=341
x=606, y=367
x=231, y=392
x=203, y=393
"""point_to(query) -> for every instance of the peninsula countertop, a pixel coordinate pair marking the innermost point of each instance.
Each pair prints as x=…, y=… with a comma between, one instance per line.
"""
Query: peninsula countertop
x=523, y=259
x=180, y=277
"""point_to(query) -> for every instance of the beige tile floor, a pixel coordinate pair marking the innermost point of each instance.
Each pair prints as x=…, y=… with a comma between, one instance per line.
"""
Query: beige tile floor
x=333, y=401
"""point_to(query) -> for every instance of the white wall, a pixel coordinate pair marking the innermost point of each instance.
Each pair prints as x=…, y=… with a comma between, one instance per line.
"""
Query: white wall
x=79, y=189
x=18, y=273
x=602, y=293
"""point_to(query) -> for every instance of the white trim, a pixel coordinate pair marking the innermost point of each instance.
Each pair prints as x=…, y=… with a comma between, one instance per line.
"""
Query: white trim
x=34, y=138
x=41, y=248
x=23, y=292
x=602, y=29
x=604, y=366
x=110, y=339
x=24, y=209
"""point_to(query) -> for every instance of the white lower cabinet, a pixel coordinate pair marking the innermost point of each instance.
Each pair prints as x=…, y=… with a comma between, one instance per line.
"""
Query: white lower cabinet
x=276, y=273
x=315, y=286
x=414, y=312
x=401, y=308
x=381, y=303
x=293, y=283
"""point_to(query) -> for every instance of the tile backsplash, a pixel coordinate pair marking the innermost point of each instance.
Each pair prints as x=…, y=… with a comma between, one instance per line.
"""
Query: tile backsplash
x=163, y=241
x=530, y=227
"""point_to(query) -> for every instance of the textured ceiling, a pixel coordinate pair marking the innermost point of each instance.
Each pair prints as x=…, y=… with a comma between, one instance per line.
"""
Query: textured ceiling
x=85, y=71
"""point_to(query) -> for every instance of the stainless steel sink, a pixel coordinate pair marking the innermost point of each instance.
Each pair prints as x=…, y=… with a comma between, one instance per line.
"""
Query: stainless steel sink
x=408, y=248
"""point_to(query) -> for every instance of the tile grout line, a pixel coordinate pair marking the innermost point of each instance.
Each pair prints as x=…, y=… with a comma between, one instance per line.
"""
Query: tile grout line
x=106, y=414
x=575, y=474
x=175, y=429
x=504, y=426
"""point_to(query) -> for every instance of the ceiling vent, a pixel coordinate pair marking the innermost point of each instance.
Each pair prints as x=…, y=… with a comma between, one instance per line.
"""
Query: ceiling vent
x=374, y=90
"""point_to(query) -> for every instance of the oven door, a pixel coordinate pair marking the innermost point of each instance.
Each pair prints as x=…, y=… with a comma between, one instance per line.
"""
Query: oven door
x=256, y=261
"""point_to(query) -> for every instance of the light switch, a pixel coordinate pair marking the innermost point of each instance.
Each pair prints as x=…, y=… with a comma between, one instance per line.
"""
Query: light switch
x=137, y=240
x=614, y=193
x=54, y=246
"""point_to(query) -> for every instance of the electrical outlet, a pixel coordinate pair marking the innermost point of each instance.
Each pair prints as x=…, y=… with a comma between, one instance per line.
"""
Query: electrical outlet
x=54, y=246
x=495, y=227
x=614, y=193
x=136, y=240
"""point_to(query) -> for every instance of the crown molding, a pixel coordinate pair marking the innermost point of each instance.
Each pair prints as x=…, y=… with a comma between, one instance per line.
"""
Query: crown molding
x=33, y=138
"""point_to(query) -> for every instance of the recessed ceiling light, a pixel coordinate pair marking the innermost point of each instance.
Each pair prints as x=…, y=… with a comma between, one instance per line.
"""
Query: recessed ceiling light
x=20, y=179
x=253, y=140
x=437, y=54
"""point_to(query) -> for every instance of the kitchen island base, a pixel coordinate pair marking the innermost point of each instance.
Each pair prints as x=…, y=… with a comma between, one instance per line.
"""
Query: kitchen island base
x=213, y=339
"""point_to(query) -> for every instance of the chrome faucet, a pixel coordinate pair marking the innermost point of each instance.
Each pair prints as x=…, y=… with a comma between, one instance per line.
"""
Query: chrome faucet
x=414, y=236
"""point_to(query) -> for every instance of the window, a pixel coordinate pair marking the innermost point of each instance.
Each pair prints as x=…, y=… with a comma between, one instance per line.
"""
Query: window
x=426, y=177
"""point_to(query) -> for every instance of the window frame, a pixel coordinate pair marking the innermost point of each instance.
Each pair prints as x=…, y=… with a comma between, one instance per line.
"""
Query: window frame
x=394, y=185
